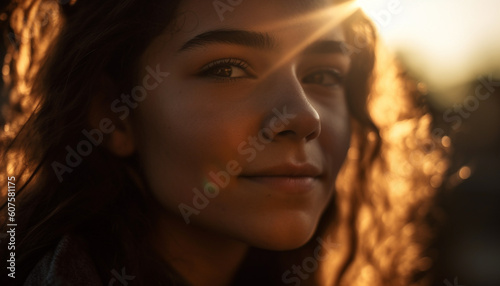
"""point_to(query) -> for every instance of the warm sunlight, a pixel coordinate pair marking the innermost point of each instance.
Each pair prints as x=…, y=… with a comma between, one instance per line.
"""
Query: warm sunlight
x=233, y=142
x=339, y=12
x=445, y=42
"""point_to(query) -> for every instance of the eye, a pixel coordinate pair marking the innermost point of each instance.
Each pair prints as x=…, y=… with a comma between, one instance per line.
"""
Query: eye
x=328, y=78
x=226, y=69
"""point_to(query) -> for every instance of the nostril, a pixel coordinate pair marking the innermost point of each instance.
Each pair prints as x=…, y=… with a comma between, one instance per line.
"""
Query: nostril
x=300, y=123
x=285, y=133
x=268, y=136
x=314, y=134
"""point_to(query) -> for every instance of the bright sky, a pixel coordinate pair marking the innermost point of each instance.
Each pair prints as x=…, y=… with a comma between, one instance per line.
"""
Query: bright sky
x=446, y=42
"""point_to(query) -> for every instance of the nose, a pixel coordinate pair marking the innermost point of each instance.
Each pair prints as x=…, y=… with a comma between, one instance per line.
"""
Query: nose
x=290, y=113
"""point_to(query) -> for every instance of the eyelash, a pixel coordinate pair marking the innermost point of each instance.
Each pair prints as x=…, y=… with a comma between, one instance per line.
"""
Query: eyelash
x=333, y=72
x=205, y=71
x=243, y=65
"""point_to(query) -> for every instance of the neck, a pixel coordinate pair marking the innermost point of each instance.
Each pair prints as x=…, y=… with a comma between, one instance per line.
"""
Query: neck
x=202, y=257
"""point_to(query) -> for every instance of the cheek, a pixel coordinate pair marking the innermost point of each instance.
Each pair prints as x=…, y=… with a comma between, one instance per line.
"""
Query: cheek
x=180, y=142
x=335, y=130
x=335, y=133
x=169, y=142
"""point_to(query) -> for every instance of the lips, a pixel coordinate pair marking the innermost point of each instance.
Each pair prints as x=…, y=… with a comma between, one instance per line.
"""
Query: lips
x=285, y=170
x=290, y=178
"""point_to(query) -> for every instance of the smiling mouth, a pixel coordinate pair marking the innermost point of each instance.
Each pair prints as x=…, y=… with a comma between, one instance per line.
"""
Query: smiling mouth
x=288, y=178
x=289, y=184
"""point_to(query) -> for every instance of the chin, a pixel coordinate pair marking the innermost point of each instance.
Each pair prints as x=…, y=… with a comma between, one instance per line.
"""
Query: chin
x=284, y=234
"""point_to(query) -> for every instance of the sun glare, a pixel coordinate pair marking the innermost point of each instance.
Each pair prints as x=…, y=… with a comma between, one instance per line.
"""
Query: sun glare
x=335, y=15
x=446, y=43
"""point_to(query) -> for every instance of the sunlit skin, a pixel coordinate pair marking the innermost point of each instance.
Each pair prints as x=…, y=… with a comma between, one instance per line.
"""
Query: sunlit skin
x=217, y=95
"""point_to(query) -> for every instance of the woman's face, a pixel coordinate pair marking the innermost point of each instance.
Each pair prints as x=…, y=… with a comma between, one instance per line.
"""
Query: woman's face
x=246, y=133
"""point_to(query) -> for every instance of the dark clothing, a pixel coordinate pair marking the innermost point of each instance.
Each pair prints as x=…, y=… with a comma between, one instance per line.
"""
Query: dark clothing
x=67, y=264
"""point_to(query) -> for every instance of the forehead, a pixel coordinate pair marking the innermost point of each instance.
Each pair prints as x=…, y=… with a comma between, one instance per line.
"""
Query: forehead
x=293, y=6
x=293, y=24
x=270, y=16
x=276, y=17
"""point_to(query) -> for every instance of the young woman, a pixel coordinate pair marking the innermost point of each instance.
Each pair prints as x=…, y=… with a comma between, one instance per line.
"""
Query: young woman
x=185, y=142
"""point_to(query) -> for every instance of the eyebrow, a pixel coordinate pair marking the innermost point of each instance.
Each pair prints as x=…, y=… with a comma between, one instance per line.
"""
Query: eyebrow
x=257, y=40
x=236, y=37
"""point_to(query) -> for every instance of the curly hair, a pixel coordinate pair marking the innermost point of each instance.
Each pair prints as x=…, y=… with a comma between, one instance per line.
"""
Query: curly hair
x=57, y=54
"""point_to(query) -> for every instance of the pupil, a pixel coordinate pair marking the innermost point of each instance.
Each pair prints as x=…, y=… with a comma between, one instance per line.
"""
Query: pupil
x=224, y=71
x=318, y=77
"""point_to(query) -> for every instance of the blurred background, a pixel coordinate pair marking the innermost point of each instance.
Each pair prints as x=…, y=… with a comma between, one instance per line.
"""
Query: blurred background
x=452, y=47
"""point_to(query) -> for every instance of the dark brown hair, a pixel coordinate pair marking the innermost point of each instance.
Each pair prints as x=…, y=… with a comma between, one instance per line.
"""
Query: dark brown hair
x=100, y=201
